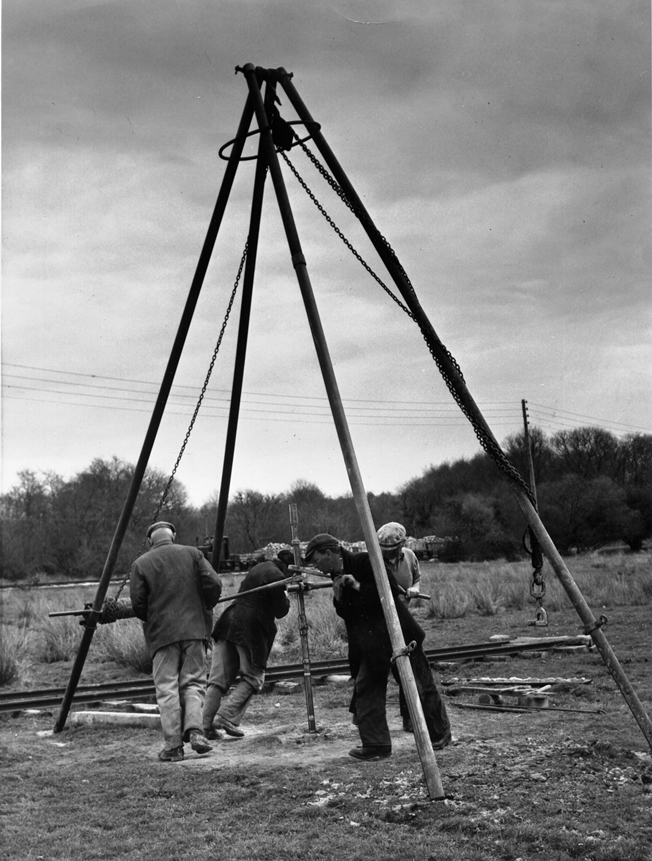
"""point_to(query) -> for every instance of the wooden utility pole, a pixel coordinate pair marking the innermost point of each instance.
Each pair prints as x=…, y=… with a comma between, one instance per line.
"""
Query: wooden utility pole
x=528, y=449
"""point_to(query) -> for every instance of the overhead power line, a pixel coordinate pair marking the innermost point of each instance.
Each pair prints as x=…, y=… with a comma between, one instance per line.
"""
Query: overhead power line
x=85, y=390
x=565, y=418
x=289, y=417
x=149, y=397
x=226, y=391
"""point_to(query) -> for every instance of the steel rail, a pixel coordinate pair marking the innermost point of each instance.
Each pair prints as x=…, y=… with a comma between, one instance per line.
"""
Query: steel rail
x=11, y=701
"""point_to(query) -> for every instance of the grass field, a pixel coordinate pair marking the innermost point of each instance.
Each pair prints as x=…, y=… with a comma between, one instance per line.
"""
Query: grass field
x=573, y=781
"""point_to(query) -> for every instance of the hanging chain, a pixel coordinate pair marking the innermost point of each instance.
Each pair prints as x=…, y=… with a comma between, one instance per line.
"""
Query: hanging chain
x=537, y=584
x=487, y=441
x=204, y=387
x=195, y=413
x=338, y=231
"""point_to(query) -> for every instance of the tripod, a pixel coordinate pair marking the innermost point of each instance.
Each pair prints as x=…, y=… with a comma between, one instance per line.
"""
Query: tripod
x=276, y=134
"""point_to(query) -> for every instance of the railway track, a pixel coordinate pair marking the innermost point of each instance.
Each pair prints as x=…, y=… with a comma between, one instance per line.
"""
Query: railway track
x=134, y=689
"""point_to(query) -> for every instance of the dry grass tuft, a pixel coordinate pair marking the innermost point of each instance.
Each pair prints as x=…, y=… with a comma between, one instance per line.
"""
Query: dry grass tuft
x=124, y=643
x=15, y=642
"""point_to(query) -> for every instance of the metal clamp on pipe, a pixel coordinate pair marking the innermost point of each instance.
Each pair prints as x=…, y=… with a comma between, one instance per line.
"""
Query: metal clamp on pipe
x=299, y=569
x=402, y=653
x=597, y=623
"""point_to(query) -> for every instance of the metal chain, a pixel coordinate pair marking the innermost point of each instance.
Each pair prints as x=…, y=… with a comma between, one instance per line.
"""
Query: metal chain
x=197, y=407
x=487, y=442
x=339, y=232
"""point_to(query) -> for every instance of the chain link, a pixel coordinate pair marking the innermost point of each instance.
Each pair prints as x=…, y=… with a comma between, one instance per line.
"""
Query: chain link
x=197, y=407
x=339, y=232
x=487, y=442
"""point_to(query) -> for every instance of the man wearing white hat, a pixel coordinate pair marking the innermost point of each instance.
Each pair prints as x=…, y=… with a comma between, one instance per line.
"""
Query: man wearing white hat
x=400, y=560
x=173, y=590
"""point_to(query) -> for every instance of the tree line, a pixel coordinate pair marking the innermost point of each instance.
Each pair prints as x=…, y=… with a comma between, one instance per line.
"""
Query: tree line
x=591, y=487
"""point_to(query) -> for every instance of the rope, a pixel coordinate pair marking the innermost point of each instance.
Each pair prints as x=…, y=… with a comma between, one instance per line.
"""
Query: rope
x=197, y=407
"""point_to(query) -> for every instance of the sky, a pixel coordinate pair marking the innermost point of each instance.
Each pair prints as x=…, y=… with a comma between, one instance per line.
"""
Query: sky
x=502, y=148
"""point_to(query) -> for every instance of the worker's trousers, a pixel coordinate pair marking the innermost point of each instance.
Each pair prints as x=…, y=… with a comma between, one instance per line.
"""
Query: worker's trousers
x=179, y=670
x=229, y=662
x=370, y=693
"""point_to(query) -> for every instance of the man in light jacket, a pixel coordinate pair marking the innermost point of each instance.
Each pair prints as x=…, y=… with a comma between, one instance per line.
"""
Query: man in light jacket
x=173, y=590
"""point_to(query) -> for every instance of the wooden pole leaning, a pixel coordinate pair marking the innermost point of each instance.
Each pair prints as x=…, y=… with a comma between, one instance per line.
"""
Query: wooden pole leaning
x=424, y=746
x=591, y=625
x=90, y=623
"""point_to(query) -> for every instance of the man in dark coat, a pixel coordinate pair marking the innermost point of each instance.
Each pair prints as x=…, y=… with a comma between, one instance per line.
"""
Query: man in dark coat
x=357, y=601
x=173, y=590
x=243, y=636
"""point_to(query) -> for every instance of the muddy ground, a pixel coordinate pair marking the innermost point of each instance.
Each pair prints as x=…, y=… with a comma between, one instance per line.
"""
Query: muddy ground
x=582, y=764
x=277, y=724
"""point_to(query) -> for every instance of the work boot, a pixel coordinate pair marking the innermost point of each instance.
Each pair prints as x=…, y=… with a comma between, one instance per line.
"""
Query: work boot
x=173, y=754
x=199, y=743
x=442, y=743
x=371, y=753
x=228, y=727
x=213, y=734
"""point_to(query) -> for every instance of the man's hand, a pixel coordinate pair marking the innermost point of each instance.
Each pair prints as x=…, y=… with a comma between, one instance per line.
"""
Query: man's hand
x=349, y=580
x=413, y=592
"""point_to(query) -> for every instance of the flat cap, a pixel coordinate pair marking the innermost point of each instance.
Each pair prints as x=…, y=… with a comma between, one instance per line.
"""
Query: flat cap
x=391, y=535
x=161, y=524
x=323, y=541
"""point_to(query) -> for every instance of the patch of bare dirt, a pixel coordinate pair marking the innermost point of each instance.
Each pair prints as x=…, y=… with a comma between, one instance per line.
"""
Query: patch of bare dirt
x=518, y=744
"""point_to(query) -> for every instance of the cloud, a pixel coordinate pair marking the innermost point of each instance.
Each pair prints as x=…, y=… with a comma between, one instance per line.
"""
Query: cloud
x=502, y=148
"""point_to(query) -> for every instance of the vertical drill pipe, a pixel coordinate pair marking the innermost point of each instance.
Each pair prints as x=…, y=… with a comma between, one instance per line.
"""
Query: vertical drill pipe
x=240, y=355
x=157, y=415
x=424, y=746
x=303, y=622
x=462, y=392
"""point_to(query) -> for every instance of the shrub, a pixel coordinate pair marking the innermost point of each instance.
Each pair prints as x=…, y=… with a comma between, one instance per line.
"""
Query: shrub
x=124, y=643
x=327, y=634
x=488, y=599
x=30, y=607
x=15, y=657
x=450, y=602
x=59, y=639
